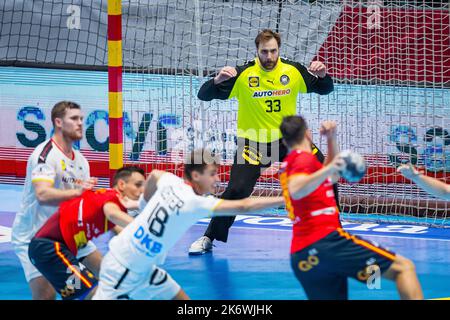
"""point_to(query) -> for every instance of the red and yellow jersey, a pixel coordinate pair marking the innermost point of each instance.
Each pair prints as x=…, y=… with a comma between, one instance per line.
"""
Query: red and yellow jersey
x=82, y=218
x=316, y=215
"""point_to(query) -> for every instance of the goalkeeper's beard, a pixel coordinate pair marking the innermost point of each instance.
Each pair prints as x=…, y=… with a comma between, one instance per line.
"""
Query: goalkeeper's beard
x=267, y=64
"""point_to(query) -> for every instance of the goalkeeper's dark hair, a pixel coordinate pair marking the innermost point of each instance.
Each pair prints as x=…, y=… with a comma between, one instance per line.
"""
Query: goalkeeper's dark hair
x=265, y=35
x=293, y=129
x=198, y=160
x=125, y=173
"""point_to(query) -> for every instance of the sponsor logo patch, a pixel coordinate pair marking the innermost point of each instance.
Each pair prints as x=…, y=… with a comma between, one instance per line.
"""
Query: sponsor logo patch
x=271, y=93
x=284, y=79
x=306, y=265
x=253, y=82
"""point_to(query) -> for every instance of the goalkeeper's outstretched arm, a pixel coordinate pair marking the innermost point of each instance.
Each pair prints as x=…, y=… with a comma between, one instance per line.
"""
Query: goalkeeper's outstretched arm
x=433, y=186
x=220, y=86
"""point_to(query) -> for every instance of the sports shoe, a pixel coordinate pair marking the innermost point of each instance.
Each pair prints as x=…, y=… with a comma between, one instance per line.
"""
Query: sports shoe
x=201, y=246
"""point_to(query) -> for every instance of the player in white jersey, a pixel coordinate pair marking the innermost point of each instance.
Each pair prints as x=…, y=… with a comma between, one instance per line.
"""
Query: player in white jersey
x=55, y=173
x=170, y=205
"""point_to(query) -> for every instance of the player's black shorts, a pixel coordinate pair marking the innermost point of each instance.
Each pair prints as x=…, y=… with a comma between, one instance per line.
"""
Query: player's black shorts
x=70, y=278
x=323, y=267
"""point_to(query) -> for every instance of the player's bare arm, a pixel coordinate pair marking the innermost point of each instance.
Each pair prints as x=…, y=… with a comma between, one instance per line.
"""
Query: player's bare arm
x=316, y=78
x=231, y=207
x=429, y=184
x=117, y=229
x=328, y=129
x=47, y=194
x=220, y=86
x=301, y=185
x=130, y=205
x=115, y=215
x=151, y=184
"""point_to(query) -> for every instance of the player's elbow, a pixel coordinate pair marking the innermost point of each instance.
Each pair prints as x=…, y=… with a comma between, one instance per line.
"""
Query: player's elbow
x=325, y=92
x=110, y=215
x=150, y=186
x=111, y=212
x=325, y=86
x=209, y=91
x=203, y=97
x=114, y=217
x=151, y=180
x=42, y=197
x=155, y=174
x=206, y=92
x=117, y=229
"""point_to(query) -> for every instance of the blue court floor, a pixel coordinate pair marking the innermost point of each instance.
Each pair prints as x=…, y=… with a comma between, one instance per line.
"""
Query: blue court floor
x=254, y=264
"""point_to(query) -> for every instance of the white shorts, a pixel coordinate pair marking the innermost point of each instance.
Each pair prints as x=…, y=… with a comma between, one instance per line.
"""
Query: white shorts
x=30, y=270
x=117, y=282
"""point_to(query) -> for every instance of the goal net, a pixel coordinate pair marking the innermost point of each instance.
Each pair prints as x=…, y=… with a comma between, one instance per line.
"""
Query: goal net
x=391, y=65
x=390, y=62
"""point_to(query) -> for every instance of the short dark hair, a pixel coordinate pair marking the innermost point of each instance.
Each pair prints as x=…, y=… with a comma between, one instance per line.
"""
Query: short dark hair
x=125, y=173
x=265, y=35
x=59, y=110
x=197, y=160
x=293, y=129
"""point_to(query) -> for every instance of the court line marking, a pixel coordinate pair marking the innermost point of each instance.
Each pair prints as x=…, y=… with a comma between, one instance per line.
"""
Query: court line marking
x=359, y=234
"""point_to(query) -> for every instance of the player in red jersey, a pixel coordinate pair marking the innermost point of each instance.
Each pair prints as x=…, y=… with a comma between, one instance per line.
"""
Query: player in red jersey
x=53, y=250
x=323, y=255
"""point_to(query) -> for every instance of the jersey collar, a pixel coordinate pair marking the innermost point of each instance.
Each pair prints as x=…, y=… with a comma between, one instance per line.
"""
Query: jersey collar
x=298, y=151
x=295, y=151
x=57, y=145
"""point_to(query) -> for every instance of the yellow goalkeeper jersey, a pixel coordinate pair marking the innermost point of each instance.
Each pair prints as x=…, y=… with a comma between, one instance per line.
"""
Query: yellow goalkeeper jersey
x=265, y=97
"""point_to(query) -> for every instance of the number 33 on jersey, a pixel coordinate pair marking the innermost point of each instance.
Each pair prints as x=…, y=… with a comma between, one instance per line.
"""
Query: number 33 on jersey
x=266, y=97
